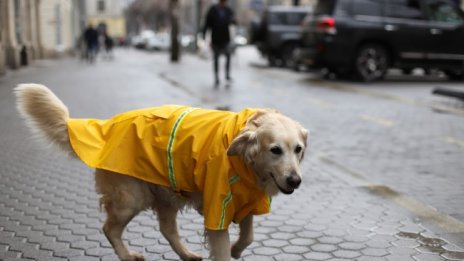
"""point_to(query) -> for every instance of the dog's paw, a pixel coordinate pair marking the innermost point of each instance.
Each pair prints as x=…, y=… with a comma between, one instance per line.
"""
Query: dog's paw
x=133, y=256
x=235, y=252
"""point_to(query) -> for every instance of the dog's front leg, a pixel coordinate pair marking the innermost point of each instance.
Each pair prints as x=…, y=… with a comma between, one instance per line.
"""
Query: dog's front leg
x=219, y=244
x=245, y=237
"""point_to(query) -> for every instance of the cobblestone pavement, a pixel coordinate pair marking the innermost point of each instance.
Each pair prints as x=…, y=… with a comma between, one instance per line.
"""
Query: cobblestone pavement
x=49, y=210
x=387, y=132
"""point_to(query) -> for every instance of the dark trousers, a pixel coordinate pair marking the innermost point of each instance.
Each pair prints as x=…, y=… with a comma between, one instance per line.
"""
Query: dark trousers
x=217, y=51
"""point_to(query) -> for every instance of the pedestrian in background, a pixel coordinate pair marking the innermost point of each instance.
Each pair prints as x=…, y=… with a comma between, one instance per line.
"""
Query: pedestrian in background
x=108, y=44
x=218, y=20
x=91, y=41
x=81, y=47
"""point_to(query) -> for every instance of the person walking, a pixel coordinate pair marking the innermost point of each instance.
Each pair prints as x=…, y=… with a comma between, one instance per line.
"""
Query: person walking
x=91, y=40
x=109, y=44
x=218, y=20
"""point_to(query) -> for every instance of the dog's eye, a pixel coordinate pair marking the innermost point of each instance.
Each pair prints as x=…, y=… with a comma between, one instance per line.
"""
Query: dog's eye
x=298, y=149
x=276, y=150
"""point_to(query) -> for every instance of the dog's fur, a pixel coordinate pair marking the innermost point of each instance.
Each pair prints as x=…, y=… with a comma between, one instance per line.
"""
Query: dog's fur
x=123, y=197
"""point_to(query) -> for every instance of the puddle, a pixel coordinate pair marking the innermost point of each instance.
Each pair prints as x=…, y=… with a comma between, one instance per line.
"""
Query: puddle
x=434, y=245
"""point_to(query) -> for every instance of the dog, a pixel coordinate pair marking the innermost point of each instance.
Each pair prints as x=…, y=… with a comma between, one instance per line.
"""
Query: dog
x=226, y=165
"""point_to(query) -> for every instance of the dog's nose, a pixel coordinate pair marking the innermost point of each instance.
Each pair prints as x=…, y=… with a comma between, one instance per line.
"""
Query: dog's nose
x=294, y=181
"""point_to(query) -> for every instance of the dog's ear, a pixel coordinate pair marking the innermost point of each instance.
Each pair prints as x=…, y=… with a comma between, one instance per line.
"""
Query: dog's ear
x=246, y=143
x=304, y=135
x=241, y=143
x=247, y=138
x=255, y=120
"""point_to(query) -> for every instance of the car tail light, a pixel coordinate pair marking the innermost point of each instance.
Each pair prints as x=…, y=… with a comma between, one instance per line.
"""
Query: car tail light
x=326, y=25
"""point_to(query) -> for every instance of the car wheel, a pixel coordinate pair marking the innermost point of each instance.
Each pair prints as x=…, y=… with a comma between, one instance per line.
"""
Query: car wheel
x=455, y=75
x=371, y=62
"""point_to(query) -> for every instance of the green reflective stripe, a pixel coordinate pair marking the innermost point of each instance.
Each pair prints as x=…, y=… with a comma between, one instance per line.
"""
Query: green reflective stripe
x=226, y=201
x=172, y=177
x=233, y=179
x=224, y=207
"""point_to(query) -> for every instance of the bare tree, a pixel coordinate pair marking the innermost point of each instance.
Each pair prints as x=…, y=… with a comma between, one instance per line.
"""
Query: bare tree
x=174, y=13
x=151, y=13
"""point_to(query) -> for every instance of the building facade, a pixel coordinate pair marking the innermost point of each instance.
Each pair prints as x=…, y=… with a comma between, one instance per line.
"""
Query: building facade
x=62, y=23
x=19, y=33
x=108, y=14
x=34, y=29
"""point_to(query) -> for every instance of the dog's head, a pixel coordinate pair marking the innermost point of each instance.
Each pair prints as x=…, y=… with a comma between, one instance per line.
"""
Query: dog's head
x=274, y=146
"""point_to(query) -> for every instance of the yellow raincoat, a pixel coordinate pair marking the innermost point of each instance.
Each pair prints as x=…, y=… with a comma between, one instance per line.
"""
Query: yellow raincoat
x=179, y=147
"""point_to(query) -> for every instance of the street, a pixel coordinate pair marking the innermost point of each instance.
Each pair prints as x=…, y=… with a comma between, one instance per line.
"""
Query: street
x=382, y=177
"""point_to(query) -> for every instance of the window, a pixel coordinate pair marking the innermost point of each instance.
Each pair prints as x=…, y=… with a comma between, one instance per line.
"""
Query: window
x=408, y=9
x=286, y=18
x=368, y=7
x=442, y=11
x=324, y=7
x=101, y=6
x=17, y=20
x=295, y=18
x=276, y=18
x=344, y=8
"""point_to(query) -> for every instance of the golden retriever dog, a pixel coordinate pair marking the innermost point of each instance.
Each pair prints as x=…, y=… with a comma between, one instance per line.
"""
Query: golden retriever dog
x=225, y=165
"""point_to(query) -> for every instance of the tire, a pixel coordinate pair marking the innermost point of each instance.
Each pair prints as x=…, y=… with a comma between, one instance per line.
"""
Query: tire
x=371, y=62
x=455, y=75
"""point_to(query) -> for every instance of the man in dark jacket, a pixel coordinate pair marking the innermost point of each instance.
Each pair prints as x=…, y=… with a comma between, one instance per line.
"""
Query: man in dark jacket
x=218, y=20
x=91, y=40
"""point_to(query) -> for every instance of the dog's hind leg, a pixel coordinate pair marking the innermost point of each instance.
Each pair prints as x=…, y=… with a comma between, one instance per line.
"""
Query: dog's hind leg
x=123, y=198
x=168, y=226
x=117, y=219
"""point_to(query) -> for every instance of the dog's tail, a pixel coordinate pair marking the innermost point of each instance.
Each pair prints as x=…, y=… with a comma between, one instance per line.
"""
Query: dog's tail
x=44, y=113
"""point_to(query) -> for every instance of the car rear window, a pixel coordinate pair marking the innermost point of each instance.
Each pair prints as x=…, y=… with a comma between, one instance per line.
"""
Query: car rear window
x=408, y=9
x=443, y=11
x=324, y=7
x=368, y=7
x=286, y=18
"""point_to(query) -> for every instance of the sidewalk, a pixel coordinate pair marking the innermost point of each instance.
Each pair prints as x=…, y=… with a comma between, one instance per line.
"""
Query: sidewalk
x=49, y=210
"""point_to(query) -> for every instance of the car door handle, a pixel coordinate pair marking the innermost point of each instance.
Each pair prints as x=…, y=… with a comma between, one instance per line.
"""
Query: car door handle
x=390, y=27
x=436, y=31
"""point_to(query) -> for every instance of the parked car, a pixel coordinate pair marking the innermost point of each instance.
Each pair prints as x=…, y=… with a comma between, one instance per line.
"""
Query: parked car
x=140, y=41
x=159, y=41
x=278, y=33
x=364, y=38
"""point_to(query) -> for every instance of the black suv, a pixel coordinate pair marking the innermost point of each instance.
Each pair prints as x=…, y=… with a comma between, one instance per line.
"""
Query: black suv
x=278, y=33
x=366, y=37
